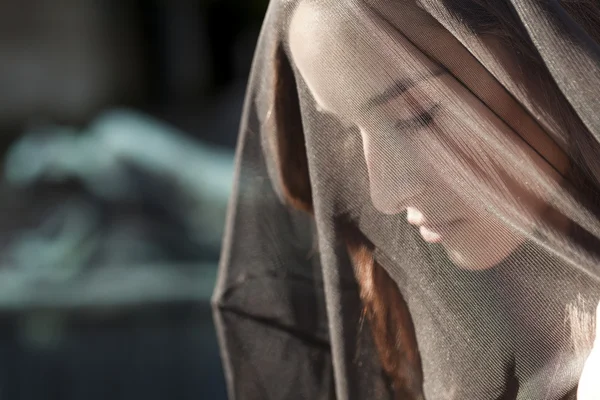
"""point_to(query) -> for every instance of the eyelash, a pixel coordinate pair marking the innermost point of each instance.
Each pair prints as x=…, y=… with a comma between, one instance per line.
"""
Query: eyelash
x=423, y=120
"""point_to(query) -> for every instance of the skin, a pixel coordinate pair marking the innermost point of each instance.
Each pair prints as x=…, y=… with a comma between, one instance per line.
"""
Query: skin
x=411, y=114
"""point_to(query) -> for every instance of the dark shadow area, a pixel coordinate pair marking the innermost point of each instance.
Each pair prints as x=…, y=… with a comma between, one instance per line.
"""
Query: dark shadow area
x=118, y=123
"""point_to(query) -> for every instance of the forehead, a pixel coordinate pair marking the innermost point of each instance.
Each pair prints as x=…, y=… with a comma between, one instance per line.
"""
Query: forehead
x=347, y=56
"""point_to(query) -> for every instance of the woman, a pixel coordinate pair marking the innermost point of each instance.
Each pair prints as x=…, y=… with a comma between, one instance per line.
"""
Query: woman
x=451, y=147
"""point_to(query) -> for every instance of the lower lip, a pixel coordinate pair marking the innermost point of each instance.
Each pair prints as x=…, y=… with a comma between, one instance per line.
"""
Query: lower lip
x=433, y=235
x=429, y=235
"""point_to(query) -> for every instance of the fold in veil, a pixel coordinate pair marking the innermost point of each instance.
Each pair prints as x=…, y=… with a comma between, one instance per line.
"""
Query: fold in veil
x=415, y=212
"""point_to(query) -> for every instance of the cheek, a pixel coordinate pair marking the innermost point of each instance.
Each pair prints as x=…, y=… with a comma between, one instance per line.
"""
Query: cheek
x=381, y=178
x=394, y=175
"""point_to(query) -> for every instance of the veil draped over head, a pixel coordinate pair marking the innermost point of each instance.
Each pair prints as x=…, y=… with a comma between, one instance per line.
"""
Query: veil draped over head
x=416, y=207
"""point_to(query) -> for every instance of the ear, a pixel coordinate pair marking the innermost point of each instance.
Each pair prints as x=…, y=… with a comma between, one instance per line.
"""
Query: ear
x=286, y=136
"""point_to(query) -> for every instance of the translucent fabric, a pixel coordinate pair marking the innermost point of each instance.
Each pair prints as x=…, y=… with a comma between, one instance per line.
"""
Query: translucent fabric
x=416, y=209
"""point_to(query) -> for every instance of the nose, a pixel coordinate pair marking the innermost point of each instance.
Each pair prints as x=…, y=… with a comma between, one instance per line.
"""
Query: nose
x=395, y=179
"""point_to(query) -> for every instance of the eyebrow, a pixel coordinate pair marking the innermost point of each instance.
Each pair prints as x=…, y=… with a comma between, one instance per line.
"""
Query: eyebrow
x=396, y=89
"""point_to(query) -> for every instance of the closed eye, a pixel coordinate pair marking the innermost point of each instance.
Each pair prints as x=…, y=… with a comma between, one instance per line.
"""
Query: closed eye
x=421, y=120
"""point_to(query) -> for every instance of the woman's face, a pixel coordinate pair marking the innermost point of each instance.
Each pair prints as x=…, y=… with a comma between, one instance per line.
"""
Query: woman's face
x=432, y=148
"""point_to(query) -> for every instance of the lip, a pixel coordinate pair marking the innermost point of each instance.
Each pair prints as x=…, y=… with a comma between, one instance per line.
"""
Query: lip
x=432, y=232
x=435, y=233
x=429, y=235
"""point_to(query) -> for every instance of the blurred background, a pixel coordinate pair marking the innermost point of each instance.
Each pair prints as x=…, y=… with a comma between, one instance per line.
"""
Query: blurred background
x=119, y=120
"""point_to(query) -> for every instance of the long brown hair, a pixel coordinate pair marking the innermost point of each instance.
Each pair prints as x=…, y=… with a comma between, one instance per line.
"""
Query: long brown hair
x=384, y=305
x=388, y=315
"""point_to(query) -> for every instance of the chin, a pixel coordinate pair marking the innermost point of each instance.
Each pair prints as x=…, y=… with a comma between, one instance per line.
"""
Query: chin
x=480, y=248
x=476, y=259
x=471, y=261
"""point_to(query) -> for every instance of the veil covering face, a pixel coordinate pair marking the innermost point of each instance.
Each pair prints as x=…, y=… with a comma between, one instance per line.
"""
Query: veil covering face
x=416, y=207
